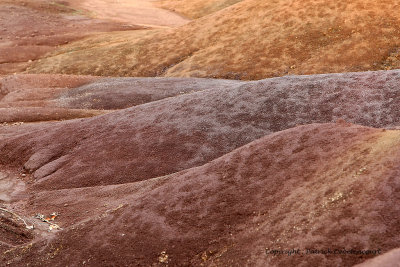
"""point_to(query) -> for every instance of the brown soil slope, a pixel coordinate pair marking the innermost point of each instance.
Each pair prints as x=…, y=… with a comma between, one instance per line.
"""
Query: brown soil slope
x=317, y=186
x=181, y=132
x=30, y=98
x=253, y=39
x=36, y=97
x=389, y=259
x=137, y=12
x=196, y=8
x=30, y=29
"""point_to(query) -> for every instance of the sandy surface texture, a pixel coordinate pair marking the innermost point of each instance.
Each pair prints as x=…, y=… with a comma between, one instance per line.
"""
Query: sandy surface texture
x=195, y=8
x=250, y=40
x=199, y=133
x=312, y=186
x=176, y=133
x=137, y=12
x=30, y=29
x=212, y=176
x=41, y=97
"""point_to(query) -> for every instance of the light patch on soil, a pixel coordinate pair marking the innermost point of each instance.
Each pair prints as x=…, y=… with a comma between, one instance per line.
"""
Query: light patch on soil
x=10, y=187
x=196, y=8
x=137, y=12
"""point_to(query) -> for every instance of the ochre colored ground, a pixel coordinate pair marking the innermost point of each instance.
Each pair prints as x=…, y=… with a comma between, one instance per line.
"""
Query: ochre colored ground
x=136, y=12
x=253, y=39
x=195, y=8
x=30, y=29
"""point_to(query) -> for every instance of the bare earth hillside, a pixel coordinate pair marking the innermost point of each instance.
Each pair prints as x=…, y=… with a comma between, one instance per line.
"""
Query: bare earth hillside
x=137, y=12
x=230, y=210
x=253, y=39
x=30, y=29
x=210, y=177
x=38, y=97
x=212, y=133
x=195, y=127
x=196, y=9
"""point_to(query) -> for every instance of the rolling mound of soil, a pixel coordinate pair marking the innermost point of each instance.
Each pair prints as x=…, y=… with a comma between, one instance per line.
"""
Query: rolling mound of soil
x=195, y=9
x=137, y=12
x=120, y=93
x=30, y=29
x=250, y=40
x=317, y=186
x=183, y=171
x=173, y=134
x=38, y=97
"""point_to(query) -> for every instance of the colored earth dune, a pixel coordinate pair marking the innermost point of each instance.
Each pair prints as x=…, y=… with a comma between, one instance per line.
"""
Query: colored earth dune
x=199, y=133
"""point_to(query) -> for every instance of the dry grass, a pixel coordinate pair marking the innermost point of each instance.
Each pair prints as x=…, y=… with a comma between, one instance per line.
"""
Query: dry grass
x=195, y=9
x=253, y=39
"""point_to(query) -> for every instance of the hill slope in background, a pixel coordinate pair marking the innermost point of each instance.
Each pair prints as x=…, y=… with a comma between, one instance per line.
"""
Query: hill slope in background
x=253, y=39
x=196, y=9
x=30, y=29
x=36, y=97
x=315, y=186
x=137, y=12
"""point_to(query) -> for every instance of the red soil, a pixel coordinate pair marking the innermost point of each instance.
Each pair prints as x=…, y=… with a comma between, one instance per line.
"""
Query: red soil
x=195, y=128
x=198, y=172
x=160, y=179
x=316, y=186
x=30, y=29
x=29, y=98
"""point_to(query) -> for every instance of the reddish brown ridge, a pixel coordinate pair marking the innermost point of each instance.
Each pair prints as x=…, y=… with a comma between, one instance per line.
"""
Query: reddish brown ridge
x=177, y=133
x=318, y=186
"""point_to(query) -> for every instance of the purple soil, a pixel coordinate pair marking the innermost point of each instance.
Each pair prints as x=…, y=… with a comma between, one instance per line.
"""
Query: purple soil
x=182, y=132
x=120, y=93
x=62, y=97
x=314, y=186
x=12, y=232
